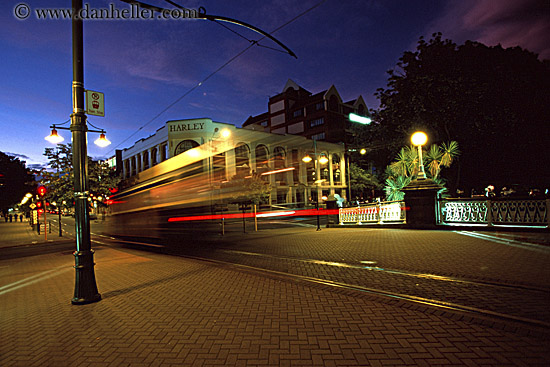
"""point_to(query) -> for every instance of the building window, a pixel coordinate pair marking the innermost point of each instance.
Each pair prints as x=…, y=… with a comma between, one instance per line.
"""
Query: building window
x=263, y=123
x=298, y=113
x=336, y=176
x=317, y=122
x=319, y=106
x=154, y=157
x=320, y=136
x=145, y=160
x=218, y=167
x=242, y=160
x=279, y=162
x=185, y=146
x=163, y=152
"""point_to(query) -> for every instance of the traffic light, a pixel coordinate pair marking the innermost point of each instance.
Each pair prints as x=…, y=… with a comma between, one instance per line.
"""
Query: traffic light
x=42, y=191
x=39, y=204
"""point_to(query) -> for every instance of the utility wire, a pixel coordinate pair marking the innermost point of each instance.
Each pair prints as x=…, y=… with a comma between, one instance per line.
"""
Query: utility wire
x=218, y=69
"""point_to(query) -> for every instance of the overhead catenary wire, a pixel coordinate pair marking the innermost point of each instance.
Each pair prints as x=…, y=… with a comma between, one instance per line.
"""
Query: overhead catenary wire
x=253, y=43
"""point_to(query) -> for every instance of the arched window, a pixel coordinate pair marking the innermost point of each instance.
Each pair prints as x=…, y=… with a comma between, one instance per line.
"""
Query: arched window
x=145, y=160
x=279, y=162
x=242, y=160
x=262, y=159
x=154, y=157
x=185, y=146
x=336, y=171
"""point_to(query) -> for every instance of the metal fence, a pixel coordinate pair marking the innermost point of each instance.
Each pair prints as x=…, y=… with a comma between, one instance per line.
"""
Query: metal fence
x=525, y=213
x=495, y=212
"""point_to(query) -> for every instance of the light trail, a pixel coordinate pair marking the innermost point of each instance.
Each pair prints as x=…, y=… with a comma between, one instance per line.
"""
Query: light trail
x=34, y=279
x=513, y=243
x=293, y=213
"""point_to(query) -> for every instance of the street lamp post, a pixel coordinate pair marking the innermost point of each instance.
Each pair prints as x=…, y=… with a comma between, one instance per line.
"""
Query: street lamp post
x=419, y=138
x=85, y=285
x=323, y=160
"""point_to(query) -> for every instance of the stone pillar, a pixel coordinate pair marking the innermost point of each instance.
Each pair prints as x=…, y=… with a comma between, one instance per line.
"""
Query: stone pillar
x=420, y=203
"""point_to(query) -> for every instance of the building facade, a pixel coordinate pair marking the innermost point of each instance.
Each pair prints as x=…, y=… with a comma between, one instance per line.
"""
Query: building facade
x=232, y=151
x=322, y=116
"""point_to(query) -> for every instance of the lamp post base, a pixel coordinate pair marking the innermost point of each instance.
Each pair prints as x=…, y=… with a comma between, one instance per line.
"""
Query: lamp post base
x=85, y=290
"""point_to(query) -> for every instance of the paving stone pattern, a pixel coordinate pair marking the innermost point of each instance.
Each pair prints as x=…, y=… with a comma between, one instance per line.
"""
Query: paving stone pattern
x=159, y=310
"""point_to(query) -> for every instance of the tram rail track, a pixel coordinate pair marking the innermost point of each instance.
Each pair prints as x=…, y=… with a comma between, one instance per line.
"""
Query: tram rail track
x=505, y=320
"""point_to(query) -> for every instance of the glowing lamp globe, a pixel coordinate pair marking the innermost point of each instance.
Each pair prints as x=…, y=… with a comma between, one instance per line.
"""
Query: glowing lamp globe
x=419, y=138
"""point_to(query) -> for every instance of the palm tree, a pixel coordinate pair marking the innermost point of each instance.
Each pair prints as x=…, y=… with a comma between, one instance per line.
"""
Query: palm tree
x=405, y=167
x=406, y=163
x=441, y=156
x=394, y=185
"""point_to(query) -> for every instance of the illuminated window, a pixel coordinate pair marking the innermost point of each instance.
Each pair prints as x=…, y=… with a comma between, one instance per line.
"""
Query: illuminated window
x=262, y=164
x=242, y=160
x=336, y=176
x=279, y=159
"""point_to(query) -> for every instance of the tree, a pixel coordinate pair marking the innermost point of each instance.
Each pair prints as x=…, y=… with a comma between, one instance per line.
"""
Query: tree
x=362, y=182
x=247, y=189
x=488, y=99
x=15, y=181
x=405, y=168
x=59, y=179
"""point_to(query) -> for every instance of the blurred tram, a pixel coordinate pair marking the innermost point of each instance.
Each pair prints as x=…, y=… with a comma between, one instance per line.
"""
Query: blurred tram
x=183, y=186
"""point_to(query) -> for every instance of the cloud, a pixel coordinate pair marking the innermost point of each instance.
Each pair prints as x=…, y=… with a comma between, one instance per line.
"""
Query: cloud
x=17, y=155
x=510, y=23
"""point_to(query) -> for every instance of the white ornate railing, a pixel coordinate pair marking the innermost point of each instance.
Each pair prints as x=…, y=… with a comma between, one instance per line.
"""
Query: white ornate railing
x=495, y=212
x=457, y=212
x=383, y=212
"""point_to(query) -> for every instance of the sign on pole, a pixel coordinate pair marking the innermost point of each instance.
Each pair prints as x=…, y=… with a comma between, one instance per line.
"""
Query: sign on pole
x=95, y=103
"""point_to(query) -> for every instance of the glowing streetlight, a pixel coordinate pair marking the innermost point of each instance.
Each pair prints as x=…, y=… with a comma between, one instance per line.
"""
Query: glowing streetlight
x=54, y=138
x=420, y=138
x=102, y=141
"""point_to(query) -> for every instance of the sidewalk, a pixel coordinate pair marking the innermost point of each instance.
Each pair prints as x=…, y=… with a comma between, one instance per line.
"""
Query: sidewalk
x=159, y=310
x=22, y=233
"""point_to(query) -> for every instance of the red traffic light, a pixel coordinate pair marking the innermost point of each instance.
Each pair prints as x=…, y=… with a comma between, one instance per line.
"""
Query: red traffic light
x=42, y=190
x=39, y=204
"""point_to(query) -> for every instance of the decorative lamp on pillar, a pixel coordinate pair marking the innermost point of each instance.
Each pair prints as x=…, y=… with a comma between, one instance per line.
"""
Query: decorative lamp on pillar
x=421, y=193
x=419, y=138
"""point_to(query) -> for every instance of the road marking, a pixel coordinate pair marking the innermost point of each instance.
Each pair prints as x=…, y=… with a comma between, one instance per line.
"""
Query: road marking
x=513, y=243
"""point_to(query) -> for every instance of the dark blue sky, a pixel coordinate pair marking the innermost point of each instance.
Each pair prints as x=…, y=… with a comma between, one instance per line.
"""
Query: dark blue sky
x=143, y=66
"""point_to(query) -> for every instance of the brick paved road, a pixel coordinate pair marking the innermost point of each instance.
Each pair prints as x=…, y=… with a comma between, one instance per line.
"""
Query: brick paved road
x=499, y=278
x=159, y=310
